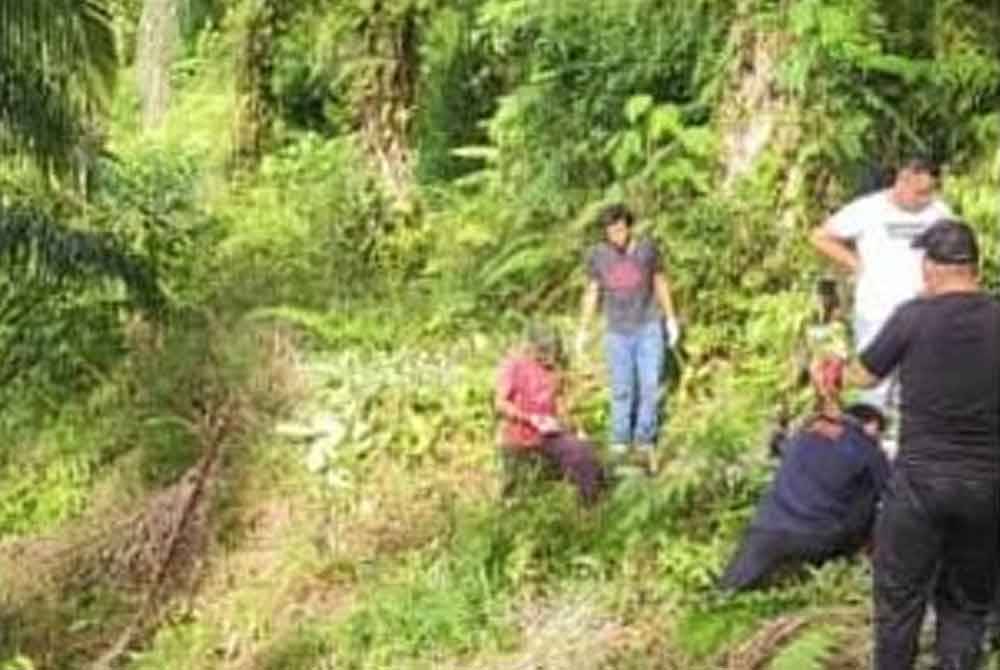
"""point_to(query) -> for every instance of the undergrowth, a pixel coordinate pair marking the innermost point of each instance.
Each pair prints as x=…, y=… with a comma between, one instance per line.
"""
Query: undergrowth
x=343, y=336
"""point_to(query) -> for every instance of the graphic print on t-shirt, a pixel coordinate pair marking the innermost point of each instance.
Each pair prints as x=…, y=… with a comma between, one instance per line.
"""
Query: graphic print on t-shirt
x=626, y=282
x=905, y=230
x=623, y=274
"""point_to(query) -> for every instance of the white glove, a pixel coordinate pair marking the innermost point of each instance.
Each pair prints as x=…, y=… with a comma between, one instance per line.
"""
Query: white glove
x=673, y=332
x=580, y=342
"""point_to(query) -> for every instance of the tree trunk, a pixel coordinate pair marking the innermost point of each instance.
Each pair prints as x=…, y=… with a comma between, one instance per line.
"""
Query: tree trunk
x=157, y=42
x=753, y=115
x=755, y=118
x=255, y=102
x=388, y=91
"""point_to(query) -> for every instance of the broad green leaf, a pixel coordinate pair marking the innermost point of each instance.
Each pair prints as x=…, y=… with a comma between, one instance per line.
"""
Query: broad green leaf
x=664, y=122
x=636, y=106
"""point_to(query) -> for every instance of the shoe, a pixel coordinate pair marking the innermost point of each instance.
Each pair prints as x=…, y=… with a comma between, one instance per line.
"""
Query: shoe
x=648, y=458
x=618, y=452
x=620, y=460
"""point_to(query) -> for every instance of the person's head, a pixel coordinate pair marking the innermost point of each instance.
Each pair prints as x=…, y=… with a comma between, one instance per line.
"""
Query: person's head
x=545, y=343
x=951, y=256
x=616, y=223
x=872, y=420
x=915, y=183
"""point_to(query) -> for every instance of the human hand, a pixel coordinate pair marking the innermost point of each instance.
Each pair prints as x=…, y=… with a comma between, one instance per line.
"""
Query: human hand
x=673, y=332
x=545, y=424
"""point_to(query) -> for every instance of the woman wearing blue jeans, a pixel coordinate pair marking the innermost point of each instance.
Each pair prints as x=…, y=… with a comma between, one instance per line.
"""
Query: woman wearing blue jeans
x=626, y=276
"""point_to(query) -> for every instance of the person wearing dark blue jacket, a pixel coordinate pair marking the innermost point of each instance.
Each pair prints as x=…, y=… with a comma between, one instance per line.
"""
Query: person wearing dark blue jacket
x=821, y=504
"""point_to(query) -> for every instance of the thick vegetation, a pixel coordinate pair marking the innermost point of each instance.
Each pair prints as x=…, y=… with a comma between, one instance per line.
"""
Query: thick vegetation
x=248, y=337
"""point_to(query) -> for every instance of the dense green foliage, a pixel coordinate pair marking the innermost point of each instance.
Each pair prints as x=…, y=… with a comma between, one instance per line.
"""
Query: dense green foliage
x=426, y=181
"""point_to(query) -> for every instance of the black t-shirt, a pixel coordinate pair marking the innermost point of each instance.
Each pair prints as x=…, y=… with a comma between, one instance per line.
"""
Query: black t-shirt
x=626, y=282
x=947, y=349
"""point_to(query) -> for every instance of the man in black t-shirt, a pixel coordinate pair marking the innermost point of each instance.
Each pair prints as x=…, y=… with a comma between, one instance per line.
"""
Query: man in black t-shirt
x=937, y=534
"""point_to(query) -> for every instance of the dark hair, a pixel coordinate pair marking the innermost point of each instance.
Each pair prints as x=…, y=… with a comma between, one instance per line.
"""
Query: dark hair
x=921, y=164
x=614, y=213
x=866, y=413
x=546, y=339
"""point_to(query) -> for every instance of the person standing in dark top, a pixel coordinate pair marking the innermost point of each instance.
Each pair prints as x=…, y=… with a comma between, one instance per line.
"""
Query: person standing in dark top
x=937, y=533
x=625, y=274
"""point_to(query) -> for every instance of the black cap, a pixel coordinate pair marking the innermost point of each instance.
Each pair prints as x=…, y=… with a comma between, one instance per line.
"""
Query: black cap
x=949, y=242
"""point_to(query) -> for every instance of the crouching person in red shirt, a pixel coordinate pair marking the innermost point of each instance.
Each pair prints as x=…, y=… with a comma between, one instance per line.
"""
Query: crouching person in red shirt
x=533, y=431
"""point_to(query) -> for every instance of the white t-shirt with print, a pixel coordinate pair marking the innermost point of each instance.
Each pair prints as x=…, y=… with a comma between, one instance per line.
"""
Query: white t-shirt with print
x=882, y=233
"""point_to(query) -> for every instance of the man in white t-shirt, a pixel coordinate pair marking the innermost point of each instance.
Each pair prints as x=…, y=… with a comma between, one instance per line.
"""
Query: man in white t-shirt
x=871, y=238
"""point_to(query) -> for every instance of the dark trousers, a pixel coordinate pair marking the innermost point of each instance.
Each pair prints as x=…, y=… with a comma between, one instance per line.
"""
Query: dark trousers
x=937, y=537
x=559, y=456
x=763, y=553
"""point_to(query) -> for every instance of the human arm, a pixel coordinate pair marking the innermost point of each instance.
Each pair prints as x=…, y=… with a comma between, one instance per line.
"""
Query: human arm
x=887, y=350
x=510, y=403
x=661, y=288
x=858, y=375
x=836, y=237
x=878, y=360
x=835, y=248
x=591, y=298
x=504, y=395
x=879, y=469
x=507, y=408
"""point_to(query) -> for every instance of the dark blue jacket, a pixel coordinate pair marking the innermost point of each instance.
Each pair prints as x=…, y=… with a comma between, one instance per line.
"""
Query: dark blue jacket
x=825, y=486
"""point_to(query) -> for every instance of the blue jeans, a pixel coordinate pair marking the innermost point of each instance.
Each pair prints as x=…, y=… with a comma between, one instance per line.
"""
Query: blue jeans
x=635, y=361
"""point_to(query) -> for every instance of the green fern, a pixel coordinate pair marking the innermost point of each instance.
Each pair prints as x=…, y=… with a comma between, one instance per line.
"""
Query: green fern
x=809, y=651
x=524, y=257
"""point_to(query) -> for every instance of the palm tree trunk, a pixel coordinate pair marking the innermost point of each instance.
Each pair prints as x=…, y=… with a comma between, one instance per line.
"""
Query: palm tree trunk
x=255, y=100
x=157, y=42
x=388, y=91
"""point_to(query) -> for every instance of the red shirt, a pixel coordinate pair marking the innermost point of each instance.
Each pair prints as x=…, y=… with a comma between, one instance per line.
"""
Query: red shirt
x=533, y=389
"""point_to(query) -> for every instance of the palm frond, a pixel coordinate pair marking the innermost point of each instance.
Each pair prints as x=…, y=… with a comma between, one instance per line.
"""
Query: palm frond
x=58, y=66
x=33, y=246
x=50, y=292
x=35, y=118
x=72, y=35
